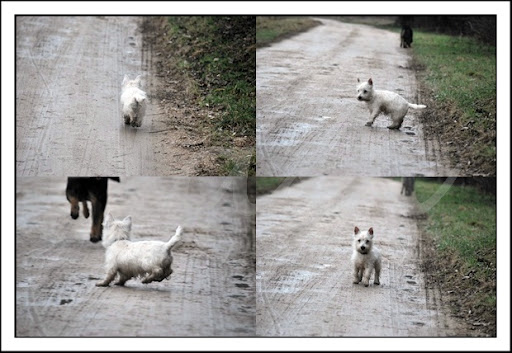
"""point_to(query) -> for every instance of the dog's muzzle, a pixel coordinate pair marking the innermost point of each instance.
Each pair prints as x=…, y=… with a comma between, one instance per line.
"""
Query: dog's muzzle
x=363, y=250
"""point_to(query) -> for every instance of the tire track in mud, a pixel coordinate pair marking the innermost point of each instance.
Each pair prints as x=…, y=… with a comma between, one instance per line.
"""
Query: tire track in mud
x=309, y=121
x=210, y=293
x=304, y=273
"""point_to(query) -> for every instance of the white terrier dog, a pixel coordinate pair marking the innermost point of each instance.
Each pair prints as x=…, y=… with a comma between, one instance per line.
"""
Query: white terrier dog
x=386, y=102
x=149, y=259
x=133, y=101
x=365, y=257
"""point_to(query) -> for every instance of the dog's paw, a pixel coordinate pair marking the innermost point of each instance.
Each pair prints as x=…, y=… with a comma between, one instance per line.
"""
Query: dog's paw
x=376, y=283
x=369, y=123
x=101, y=284
x=394, y=127
x=94, y=238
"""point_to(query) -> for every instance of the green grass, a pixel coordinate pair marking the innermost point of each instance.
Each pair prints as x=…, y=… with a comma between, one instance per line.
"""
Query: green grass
x=463, y=222
x=219, y=53
x=266, y=185
x=460, y=78
x=217, y=57
x=270, y=29
x=237, y=166
x=462, y=225
x=230, y=167
x=462, y=73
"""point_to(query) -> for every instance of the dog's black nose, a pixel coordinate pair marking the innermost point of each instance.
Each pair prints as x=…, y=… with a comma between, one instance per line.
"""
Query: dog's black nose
x=363, y=247
x=74, y=215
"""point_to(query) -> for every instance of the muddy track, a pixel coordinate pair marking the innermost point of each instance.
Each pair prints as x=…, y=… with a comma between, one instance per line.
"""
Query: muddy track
x=68, y=121
x=304, y=273
x=309, y=121
x=211, y=292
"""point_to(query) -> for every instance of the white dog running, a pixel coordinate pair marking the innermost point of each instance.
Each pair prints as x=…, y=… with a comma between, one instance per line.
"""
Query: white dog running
x=151, y=260
x=365, y=257
x=133, y=101
x=386, y=102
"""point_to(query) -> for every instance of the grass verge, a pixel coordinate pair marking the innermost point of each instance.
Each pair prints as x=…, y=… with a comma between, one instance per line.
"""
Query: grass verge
x=271, y=29
x=458, y=79
x=461, y=251
x=267, y=185
x=218, y=54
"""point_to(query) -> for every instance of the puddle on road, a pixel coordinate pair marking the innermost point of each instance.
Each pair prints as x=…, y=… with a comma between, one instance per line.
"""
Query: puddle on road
x=291, y=136
x=293, y=282
x=322, y=266
x=322, y=118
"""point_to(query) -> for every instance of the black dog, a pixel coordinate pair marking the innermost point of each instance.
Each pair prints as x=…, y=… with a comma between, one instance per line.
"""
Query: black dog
x=406, y=36
x=407, y=186
x=93, y=189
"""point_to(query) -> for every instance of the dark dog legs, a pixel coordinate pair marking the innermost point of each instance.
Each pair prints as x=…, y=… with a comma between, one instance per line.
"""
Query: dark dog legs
x=98, y=208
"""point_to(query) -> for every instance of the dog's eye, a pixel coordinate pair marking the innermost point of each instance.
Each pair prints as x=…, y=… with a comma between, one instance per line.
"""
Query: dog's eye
x=364, y=91
x=358, y=240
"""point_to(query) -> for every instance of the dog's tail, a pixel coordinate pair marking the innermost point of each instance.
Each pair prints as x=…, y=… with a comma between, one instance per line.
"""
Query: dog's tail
x=175, y=238
x=417, y=106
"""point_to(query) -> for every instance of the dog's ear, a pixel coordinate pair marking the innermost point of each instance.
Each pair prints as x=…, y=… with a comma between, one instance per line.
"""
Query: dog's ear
x=370, y=231
x=125, y=79
x=356, y=230
x=370, y=82
x=137, y=79
x=127, y=222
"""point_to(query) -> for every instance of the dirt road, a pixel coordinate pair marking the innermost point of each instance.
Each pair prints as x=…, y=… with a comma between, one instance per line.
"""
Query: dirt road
x=68, y=121
x=210, y=293
x=304, y=273
x=309, y=122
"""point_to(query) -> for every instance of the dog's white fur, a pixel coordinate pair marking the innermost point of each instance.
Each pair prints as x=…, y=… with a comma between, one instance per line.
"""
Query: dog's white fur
x=365, y=257
x=387, y=102
x=151, y=260
x=133, y=101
